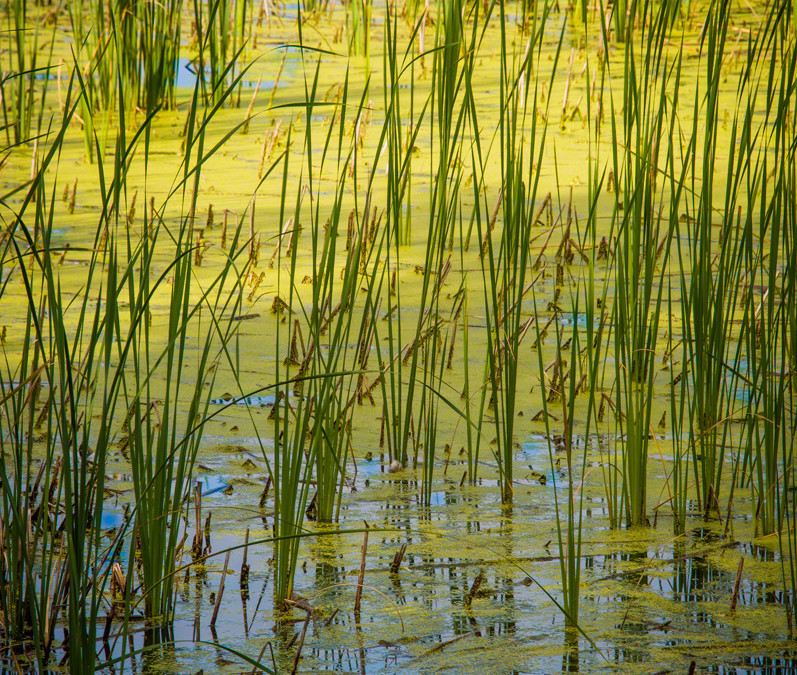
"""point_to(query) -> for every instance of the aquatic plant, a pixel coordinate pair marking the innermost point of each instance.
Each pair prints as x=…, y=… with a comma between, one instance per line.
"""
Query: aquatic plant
x=400, y=135
x=133, y=48
x=220, y=27
x=506, y=265
x=680, y=303
x=643, y=244
x=713, y=279
x=19, y=93
x=358, y=27
x=49, y=555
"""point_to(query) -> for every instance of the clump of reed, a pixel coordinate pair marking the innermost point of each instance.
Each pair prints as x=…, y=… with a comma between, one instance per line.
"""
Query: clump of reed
x=89, y=377
x=60, y=393
x=20, y=95
x=643, y=224
x=132, y=49
x=162, y=453
x=400, y=132
x=507, y=264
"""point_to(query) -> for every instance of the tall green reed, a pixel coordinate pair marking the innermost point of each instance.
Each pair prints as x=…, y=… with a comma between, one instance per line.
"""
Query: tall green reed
x=296, y=444
x=59, y=402
x=412, y=371
x=644, y=224
x=713, y=274
x=29, y=541
x=788, y=184
x=506, y=264
x=331, y=361
x=220, y=39
x=330, y=377
x=716, y=277
x=132, y=48
x=166, y=411
x=768, y=318
x=576, y=372
x=424, y=354
x=358, y=27
x=23, y=80
x=399, y=137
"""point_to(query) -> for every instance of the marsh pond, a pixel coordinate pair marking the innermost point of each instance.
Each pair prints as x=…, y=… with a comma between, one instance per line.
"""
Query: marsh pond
x=379, y=337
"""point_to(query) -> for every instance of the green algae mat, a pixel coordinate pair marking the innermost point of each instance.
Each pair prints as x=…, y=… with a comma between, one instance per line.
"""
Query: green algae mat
x=411, y=337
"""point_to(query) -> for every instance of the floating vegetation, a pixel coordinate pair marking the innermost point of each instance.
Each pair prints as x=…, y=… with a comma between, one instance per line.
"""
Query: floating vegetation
x=378, y=337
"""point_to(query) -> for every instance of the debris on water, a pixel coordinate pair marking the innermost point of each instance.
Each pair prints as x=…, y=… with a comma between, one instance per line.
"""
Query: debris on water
x=395, y=466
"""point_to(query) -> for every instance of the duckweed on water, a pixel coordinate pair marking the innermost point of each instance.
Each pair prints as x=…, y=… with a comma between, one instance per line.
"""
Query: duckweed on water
x=464, y=331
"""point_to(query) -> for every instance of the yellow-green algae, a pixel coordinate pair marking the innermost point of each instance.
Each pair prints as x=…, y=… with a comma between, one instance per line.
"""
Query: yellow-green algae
x=511, y=626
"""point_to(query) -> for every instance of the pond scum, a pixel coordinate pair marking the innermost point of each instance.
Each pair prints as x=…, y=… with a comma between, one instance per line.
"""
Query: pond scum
x=488, y=311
